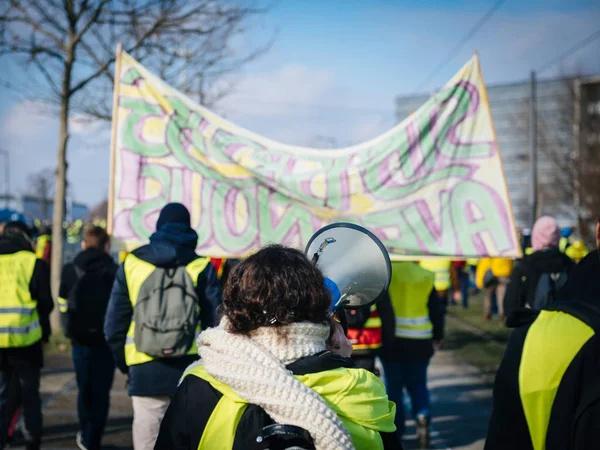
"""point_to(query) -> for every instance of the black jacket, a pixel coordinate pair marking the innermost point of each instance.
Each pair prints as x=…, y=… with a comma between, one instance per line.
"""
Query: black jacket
x=409, y=350
x=160, y=376
x=191, y=407
x=90, y=260
x=575, y=414
x=524, y=279
x=39, y=287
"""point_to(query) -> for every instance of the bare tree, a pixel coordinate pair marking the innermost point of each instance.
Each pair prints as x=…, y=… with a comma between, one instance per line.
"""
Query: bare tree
x=69, y=46
x=41, y=187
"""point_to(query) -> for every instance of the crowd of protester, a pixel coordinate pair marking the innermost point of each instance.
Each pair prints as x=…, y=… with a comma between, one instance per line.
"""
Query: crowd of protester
x=270, y=350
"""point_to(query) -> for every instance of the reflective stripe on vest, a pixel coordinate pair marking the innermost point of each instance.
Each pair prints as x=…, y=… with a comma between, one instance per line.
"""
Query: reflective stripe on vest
x=441, y=270
x=540, y=375
x=369, y=337
x=19, y=320
x=136, y=272
x=409, y=292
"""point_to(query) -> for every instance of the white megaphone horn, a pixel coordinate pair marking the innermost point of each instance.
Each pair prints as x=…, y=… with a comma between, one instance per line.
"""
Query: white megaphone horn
x=355, y=264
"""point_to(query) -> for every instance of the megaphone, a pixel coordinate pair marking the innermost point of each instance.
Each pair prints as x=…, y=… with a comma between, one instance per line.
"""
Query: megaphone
x=355, y=263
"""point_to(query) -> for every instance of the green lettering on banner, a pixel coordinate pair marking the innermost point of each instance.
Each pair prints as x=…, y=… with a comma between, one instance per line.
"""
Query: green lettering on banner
x=176, y=194
x=292, y=216
x=225, y=218
x=204, y=226
x=423, y=231
x=139, y=109
x=471, y=191
x=458, y=150
x=141, y=210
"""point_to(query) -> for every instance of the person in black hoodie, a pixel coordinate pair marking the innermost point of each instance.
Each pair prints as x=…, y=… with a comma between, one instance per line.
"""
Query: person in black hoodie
x=538, y=277
x=547, y=388
x=153, y=380
x=25, y=306
x=84, y=292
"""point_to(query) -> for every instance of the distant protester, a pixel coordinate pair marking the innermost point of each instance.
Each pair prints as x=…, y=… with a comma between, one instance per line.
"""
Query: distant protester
x=85, y=287
x=538, y=277
x=25, y=306
x=164, y=295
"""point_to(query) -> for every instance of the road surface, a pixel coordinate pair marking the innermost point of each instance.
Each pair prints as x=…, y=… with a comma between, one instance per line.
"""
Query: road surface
x=461, y=407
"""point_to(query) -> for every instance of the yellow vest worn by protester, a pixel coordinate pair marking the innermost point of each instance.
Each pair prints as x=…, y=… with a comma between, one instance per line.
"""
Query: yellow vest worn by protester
x=40, y=245
x=551, y=344
x=136, y=272
x=409, y=291
x=369, y=337
x=577, y=250
x=19, y=320
x=357, y=397
x=441, y=270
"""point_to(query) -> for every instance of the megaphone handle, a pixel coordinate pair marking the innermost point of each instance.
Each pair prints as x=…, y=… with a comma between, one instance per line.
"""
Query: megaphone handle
x=315, y=259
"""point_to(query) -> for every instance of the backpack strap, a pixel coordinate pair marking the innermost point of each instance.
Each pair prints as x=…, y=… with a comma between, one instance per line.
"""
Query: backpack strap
x=79, y=272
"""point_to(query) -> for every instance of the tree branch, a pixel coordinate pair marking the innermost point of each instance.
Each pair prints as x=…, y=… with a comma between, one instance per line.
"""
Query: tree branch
x=26, y=18
x=107, y=64
x=89, y=23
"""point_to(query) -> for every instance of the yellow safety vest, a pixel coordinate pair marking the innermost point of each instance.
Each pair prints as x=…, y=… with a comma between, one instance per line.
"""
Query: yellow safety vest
x=369, y=337
x=19, y=320
x=40, y=246
x=441, y=269
x=358, y=398
x=576, y=251
x=136, y=272
x=540, y=373
x=409, y=291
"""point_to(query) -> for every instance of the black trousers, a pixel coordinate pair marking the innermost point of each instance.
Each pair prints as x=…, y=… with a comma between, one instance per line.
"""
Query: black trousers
x=95, y=371
x=28, y=379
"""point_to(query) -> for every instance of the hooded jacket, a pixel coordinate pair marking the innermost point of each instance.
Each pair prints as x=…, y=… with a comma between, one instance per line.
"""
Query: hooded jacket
x=546, y=393
x=167, y=248
x=90, y=260
x=524, y=278
x=39, y=287
x=355, y=395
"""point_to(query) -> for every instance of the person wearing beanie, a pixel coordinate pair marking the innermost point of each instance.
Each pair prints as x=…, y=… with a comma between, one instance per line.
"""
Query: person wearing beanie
x=164, y=295
x=272, y=360
x=538, y=277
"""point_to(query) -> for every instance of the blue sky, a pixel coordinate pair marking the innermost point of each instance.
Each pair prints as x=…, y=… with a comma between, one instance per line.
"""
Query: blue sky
x=333, y=73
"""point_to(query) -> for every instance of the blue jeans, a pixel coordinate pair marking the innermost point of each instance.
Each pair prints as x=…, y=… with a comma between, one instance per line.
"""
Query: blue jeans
x=413, y=377
x=95, y=371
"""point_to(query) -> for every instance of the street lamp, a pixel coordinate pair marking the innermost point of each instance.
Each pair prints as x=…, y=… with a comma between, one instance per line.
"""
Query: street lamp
x=7, y=177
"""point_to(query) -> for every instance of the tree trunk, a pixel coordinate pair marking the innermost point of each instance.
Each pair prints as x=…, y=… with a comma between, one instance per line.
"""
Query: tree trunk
x=60, y=188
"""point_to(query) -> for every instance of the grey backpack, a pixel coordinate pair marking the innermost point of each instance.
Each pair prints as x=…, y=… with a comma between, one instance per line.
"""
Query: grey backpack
x=166, y=313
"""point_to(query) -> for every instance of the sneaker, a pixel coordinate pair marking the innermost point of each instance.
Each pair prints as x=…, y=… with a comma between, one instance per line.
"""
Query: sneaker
x=79, y=441
x=423, y=431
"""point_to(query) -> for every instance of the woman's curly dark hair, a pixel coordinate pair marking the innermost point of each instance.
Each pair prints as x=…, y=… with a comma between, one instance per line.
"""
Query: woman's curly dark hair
x=276, y=286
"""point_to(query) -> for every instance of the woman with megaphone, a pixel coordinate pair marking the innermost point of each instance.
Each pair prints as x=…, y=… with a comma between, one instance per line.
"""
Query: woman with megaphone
x=267, y=370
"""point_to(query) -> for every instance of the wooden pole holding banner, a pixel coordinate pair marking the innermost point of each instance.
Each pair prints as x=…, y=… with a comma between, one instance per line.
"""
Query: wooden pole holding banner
x=487, y=102
x=113, y=143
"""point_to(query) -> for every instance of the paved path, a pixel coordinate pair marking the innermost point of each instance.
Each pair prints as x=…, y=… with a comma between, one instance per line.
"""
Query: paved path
x=461, y=402
x=461, y=406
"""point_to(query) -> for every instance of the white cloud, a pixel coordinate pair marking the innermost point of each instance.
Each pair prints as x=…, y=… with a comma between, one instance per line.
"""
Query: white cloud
x=280, y=91
x=29, y=132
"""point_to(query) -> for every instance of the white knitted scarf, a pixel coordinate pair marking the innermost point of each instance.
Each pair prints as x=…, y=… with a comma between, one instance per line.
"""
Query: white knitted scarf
x=254, y=368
